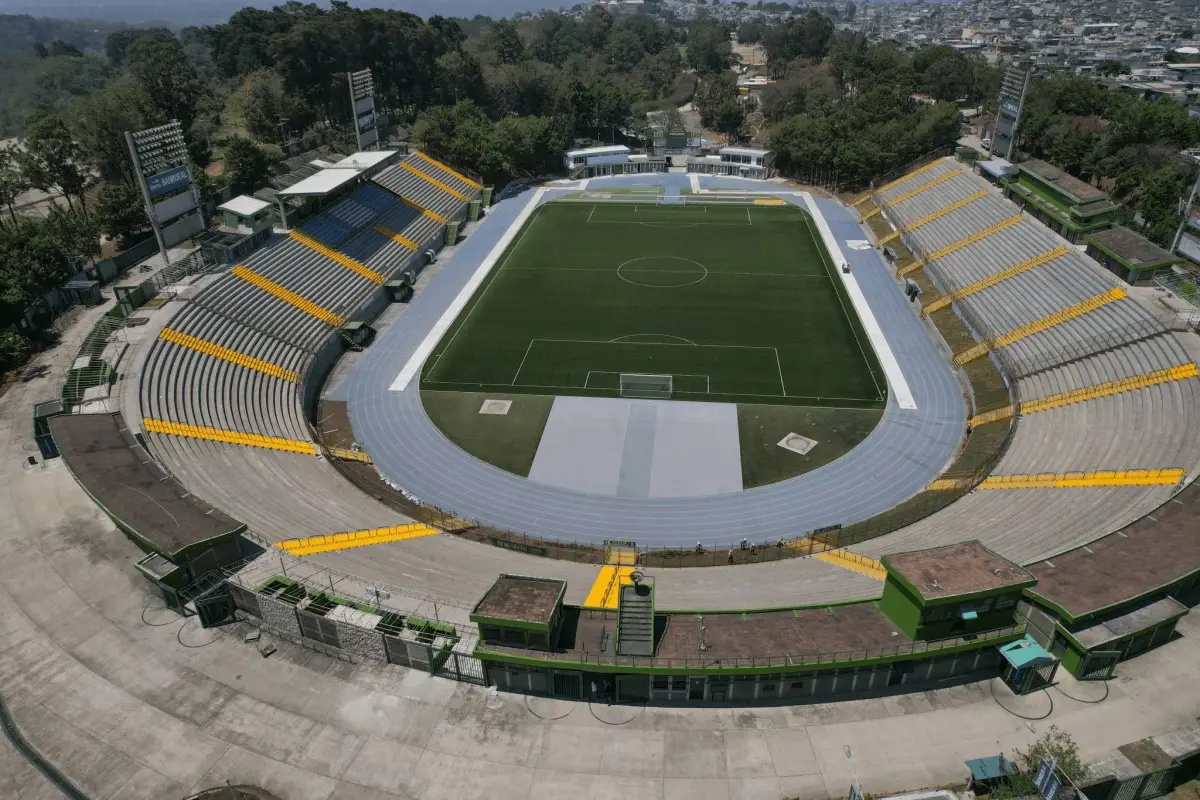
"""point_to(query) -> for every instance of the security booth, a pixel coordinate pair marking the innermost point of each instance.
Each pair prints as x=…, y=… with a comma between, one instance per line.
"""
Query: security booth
x=956, y=590
x=245, y=214
x=1028, y=667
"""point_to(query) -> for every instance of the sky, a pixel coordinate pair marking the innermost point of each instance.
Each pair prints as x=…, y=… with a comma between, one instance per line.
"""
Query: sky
x=207, y=12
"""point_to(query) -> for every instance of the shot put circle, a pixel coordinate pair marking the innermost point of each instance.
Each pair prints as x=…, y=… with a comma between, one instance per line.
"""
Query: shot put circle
x=662, y=272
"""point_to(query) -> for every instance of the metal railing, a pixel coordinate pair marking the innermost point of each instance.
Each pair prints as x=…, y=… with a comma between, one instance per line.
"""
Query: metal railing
x=592, y=654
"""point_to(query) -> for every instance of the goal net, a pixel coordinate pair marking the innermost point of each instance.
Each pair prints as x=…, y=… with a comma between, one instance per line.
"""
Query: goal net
x=651, y=387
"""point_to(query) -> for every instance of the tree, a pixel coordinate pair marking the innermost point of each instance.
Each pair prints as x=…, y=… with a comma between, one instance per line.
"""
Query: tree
x=799, y=37
x=52, y=159
x=118, y=42
x=713, y=98
x=506, y=42
x=708, y=48
x=120, y=214
x=12, y=182
x=246, y=163
x=265, y=103
x=168, y=79
x=1112, y=68
x=100, y=120
x=751, y=32
x=1055, y=745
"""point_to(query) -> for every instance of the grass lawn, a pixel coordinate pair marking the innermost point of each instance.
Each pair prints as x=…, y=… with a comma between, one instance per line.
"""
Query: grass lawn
x=737, y=303
x=509, y=442
x=760, y=428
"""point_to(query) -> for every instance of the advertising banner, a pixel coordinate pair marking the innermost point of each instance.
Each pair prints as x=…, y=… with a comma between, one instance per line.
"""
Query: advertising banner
x=168, y=181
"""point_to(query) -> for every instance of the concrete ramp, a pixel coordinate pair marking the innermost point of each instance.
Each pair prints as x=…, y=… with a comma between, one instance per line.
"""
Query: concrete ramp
x=640, y=448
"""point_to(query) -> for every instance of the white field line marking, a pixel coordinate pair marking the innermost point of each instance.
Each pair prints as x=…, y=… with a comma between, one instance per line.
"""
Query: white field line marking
x=749, y=222
x=883, y=350
x=846, y=313
x=522, y=364
x=711, y=272
x=661, y=344
x=417, y=359
x=589, y=219
x=499, y=387
x=707, y=379
x=782, y=385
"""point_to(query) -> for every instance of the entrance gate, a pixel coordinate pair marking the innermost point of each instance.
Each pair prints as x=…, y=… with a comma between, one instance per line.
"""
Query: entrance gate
x=1099, y=665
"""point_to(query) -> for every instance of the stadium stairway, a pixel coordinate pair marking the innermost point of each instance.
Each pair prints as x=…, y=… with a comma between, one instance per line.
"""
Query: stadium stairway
x=1000, y=269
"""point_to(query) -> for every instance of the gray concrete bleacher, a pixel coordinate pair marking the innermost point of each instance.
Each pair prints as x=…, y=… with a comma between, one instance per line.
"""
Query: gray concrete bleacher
x=1148, y=428
x=440, y=172
x=276, y=492
x=403, y=182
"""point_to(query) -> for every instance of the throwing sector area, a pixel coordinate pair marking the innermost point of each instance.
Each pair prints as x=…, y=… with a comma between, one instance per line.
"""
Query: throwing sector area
x=736, y=303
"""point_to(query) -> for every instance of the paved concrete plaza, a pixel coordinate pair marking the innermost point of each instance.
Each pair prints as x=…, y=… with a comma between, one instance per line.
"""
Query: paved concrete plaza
x=132, y=702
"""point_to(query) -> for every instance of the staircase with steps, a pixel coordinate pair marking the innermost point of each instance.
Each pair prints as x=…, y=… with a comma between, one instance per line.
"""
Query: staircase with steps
x=635, y=620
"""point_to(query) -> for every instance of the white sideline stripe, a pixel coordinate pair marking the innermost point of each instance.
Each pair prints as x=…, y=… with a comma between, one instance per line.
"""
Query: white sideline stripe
x=883, y=350
x=417, y=359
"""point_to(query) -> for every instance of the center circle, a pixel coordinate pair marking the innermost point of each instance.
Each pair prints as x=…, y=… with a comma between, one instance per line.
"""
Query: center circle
x=662, y=272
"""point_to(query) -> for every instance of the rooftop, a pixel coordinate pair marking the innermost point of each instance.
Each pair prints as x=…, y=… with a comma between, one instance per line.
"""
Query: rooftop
x=595, y=151
x=1157, y=550
x=1132, y=247
x=106, y=459
x=244, y=205
x=365, y=159
x=320, y=184
x=1136, y=620
x=771, y=638
x=522, y=599
x=958, y=569
x=1069, y=184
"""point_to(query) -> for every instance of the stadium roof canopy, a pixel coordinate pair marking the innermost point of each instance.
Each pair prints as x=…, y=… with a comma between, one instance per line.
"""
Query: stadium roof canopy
x=343, y=172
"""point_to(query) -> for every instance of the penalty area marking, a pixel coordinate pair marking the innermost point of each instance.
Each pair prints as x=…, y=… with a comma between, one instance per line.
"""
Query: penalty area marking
x=417, y=359
x=684, y=343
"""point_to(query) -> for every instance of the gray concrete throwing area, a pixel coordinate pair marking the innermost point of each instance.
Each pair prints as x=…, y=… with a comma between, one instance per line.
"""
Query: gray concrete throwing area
x=640, y=448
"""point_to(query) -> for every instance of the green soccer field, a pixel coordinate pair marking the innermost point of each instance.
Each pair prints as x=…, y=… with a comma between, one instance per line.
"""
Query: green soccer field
x=738, y=303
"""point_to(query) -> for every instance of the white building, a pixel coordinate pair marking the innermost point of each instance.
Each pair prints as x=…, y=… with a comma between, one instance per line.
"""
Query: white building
x=616, y=159
x=740, y=162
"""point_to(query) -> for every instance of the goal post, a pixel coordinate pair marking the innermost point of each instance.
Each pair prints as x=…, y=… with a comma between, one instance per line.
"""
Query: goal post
x=649, y=387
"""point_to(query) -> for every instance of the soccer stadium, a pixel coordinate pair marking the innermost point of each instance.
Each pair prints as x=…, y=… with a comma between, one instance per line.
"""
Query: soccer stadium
x=662, y=438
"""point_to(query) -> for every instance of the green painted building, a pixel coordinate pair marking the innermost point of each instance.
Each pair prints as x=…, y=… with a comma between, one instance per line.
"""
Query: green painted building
x=530, y=641
x=1130, y=256
x=1065, y=204
x=957, y=590
x=1121, y=595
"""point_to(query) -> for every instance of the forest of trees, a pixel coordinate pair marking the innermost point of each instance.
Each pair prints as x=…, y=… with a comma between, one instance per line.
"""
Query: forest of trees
x=505, y=98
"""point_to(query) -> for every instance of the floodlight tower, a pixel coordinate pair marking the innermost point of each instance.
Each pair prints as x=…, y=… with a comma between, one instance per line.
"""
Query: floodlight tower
x=164, y=174
x=362, y=102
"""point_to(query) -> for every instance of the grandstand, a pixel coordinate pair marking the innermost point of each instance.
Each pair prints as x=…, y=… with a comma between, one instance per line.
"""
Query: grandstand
x=1093, y=368
x=1106, y=408
x=227, y=383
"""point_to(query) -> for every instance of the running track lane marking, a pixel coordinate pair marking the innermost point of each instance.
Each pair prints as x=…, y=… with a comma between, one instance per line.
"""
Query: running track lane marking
x=417, y=359
x=883, y=350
